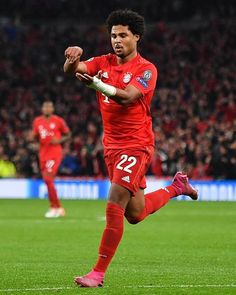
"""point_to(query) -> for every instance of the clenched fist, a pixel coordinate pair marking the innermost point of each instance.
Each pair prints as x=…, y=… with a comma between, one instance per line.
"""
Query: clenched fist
x=73, y=53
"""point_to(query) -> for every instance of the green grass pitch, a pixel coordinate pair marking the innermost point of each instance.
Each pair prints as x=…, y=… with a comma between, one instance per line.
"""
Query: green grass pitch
x=185, y=248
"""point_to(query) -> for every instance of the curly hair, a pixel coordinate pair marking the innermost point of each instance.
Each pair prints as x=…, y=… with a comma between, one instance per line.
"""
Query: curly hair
x=129, y=18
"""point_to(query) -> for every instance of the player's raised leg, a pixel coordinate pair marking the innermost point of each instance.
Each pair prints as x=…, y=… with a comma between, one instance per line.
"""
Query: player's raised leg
x=140, y=206
x=117, y=202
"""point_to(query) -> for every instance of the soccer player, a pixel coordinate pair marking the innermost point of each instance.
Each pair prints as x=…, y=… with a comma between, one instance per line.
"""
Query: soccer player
x=124, y=82
x=51, y=131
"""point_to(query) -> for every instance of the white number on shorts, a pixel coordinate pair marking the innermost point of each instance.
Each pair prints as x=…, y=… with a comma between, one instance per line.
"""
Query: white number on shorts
x=49, y=165
x=106, y=99
x=133, y=162
x=125, y=158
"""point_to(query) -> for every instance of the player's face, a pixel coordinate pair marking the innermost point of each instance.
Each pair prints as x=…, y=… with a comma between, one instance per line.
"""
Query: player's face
x=123, y=41
x=47, y=109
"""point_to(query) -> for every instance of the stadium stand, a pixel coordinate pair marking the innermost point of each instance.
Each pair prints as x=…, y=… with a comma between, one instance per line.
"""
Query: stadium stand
x=194, y=107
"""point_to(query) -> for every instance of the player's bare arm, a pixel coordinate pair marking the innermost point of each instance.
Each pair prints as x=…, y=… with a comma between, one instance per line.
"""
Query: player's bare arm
x=73, y=63
x=121, y=96
x=32, y=136
x=33, y=139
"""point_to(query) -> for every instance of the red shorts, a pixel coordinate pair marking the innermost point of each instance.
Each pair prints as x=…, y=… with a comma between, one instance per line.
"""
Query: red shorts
x=127, y=167
x=50, y=165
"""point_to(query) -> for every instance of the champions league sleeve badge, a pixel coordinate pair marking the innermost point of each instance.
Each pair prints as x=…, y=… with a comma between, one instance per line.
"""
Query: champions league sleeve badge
x=147, y=75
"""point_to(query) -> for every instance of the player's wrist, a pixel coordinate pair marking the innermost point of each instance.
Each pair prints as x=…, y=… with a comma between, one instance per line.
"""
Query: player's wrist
x=102, y=87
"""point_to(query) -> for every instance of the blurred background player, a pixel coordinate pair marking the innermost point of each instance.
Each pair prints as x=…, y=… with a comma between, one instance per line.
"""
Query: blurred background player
x=124, y=83
x=51, y=131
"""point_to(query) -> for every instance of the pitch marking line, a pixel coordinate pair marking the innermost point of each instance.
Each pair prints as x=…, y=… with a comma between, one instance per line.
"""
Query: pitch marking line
x=36, y=289
x=134, y=286
x=182, y=286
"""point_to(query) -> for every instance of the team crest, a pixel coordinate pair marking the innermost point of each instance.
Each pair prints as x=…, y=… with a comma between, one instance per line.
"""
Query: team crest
x=52, y=125
x=147, y=75
x=127, y=77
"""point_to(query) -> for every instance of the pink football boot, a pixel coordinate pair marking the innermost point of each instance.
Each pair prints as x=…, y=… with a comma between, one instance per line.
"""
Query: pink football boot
x=91, y=280
x=183, y=187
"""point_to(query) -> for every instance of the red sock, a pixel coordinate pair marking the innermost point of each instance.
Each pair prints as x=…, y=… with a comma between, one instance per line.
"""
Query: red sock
x=155, y=200
x=111, y=236
x=52, y=193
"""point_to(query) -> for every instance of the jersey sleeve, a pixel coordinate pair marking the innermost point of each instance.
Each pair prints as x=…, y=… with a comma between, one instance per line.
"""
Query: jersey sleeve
x=64, y=127
x=145, y=78
x=93, y=65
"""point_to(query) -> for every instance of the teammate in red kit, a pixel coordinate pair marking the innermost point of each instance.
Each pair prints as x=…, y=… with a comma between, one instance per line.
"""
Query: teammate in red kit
x=124, y=82
x=51, y=131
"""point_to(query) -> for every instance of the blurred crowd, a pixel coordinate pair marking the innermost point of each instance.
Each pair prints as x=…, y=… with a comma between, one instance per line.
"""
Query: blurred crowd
x=194, y=106
x=90, y=10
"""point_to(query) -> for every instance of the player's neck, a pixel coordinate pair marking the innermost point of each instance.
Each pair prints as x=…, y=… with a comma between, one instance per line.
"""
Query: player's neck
x=47, y=117
x=127, y=58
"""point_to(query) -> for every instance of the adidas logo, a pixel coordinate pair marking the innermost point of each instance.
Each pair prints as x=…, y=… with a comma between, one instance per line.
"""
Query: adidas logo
x=165, y=189
x=105, y=75
x=126, y=178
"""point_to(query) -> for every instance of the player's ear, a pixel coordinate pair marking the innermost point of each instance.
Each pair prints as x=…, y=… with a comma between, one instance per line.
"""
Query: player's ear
x=137, y=37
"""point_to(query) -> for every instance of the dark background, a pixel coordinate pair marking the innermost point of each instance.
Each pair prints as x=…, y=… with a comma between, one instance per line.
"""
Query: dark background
x=91, y=10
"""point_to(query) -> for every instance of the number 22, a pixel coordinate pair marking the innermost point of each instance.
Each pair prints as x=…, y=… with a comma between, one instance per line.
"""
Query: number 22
x=125, y=158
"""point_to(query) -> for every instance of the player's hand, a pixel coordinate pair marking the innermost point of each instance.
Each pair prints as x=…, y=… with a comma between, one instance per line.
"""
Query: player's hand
x=73, y=53
x=55, y=140
x=87, y=79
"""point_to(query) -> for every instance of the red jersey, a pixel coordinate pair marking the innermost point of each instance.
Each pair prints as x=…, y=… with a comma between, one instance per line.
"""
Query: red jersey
x=46, y=129
x=131, y=125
